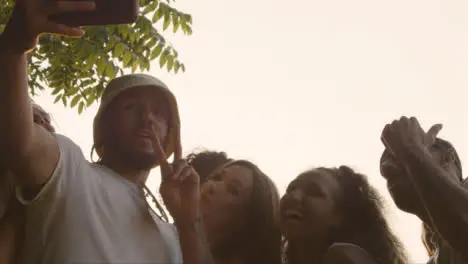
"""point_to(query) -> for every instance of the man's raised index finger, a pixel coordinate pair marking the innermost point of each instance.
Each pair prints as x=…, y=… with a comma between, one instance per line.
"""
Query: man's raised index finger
x=161, y=156
x=177, y=144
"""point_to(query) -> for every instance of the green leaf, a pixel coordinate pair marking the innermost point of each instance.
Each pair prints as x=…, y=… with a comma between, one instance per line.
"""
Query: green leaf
x=126, y=59
x=188, y=18
x=119, y=50
x=101, y=66
x=156, y=51
x=158, y=14
x=75, y=100
x=81, y=107
x=56, y=91
x=134, y=66
x=57, y=98
x=63, y=65
x=170, y=63
x=149, y=8
x=176, y=67
x=110, y=71
x=175, y=22
x=64, y=101
x=163, y=58
x=167, y=20
x=90, y=100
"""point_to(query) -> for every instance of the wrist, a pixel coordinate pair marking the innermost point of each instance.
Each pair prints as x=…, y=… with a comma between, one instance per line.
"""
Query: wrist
x=188, y=222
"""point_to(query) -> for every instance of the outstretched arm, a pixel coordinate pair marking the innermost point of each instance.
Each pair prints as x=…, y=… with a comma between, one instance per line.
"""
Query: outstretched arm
x=445, y=200
x=29, y=150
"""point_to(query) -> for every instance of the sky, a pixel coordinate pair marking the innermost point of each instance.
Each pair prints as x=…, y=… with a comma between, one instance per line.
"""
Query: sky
x=296, y=84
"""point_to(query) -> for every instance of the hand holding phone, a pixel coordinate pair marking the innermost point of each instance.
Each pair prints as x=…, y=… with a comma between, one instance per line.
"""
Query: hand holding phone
x=107, y=12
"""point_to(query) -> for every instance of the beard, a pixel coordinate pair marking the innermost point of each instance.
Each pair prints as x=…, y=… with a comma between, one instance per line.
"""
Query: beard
x=137, y=160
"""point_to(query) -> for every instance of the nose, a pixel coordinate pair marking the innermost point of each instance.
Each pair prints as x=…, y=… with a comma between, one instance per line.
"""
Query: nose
x=208, y=189
x=146, y=116
x=296, y=196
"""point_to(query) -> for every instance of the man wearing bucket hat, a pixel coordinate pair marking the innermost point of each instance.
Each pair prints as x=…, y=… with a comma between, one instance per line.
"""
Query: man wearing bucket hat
x=77, y=211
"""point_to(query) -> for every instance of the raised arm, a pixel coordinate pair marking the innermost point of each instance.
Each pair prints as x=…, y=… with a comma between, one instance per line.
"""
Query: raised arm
x=444, y=200
x=180, y=190
x=29, y=150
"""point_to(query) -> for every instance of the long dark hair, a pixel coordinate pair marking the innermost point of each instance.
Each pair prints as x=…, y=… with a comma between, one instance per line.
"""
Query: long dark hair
x=264, y=230
x=259, y=242
x=363, y=222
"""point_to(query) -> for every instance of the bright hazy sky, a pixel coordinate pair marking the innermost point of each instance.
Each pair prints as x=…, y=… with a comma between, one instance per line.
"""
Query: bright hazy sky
x=303, y=83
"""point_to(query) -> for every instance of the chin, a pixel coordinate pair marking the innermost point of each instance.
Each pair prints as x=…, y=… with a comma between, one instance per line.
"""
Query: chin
x=142, y=160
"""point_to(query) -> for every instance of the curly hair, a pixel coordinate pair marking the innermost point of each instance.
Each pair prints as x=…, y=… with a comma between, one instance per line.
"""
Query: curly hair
x=363, y=221
x=205, y=162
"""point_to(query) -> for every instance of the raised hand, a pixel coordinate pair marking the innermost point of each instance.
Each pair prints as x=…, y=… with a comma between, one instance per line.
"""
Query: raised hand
x=180, y=184
x=31, y=18
x=405, y=136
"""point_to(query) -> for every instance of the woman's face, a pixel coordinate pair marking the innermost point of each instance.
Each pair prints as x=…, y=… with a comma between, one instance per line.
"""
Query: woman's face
x=308, y=209
x=224, y=201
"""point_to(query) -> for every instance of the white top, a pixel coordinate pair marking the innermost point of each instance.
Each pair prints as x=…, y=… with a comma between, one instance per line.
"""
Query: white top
x=86, y=213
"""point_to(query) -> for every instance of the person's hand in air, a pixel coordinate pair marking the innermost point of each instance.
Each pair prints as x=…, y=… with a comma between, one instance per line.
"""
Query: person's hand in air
x=31, y=18
x=405, y=137
x=180, y=184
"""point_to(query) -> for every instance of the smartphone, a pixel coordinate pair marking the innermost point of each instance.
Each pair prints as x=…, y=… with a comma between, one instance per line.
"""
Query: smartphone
x=108, y=12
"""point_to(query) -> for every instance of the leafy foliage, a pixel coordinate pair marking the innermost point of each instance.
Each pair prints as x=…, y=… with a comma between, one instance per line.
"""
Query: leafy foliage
x=77, y=70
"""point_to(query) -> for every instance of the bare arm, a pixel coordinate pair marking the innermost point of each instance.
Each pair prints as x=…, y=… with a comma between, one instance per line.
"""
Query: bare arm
x=11, y=233
x=195, y=248
x=31, y=152
x=446, y=201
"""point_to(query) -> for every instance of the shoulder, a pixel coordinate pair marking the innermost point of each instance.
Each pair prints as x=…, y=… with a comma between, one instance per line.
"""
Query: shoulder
x=346, y=253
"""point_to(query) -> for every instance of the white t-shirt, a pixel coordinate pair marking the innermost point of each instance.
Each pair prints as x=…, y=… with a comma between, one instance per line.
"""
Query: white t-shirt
x=86, y=214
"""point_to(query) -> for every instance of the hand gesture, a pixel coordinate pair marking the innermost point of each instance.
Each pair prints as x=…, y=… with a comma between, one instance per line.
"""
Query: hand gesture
x=180, y=184
x=405, y=137
x=31, y=18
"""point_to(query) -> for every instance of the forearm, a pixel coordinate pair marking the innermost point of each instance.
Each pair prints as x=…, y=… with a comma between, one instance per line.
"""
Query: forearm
x=11, y=227
x=15, y=106
x=193, y=242
x=445, y=200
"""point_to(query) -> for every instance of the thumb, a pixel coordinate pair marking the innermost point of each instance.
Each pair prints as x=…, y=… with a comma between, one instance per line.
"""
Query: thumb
x=432, y=133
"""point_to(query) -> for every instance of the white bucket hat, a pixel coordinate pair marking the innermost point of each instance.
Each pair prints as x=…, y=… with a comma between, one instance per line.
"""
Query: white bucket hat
x=125, y=82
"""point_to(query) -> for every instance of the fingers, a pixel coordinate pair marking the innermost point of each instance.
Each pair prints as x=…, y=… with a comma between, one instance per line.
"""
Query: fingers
x=60, y=29
x=161, y=158
x=178, y=144
x=178, y=167
x=434, y=130
x=73, y=6
x=189, y=174
x=182, y=171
